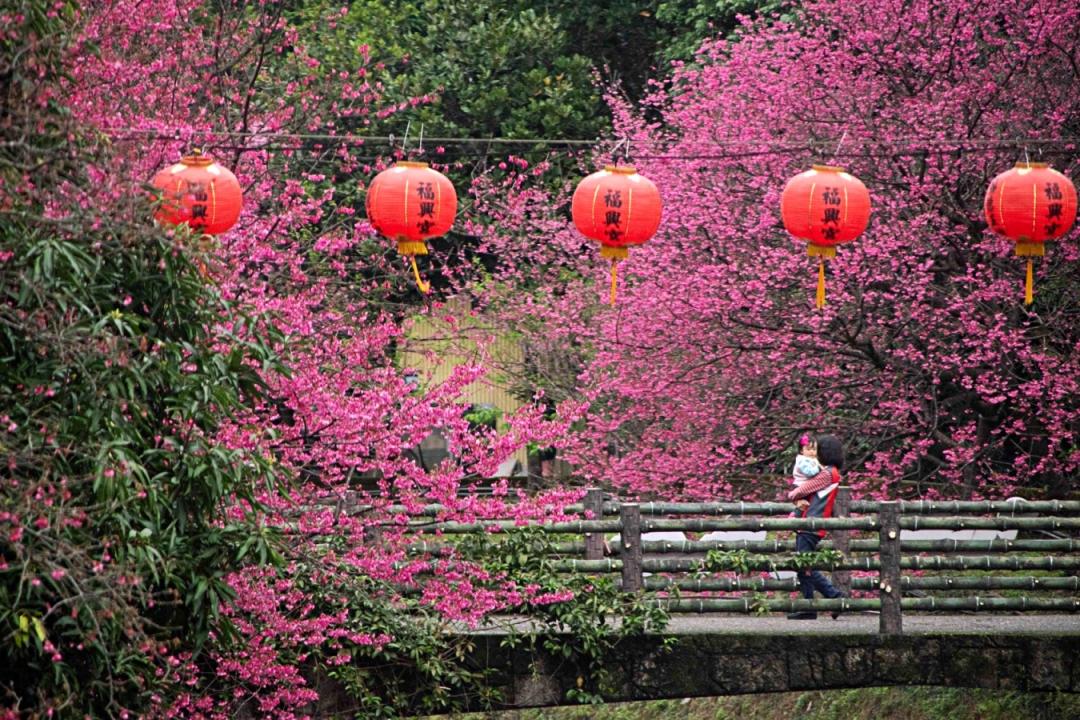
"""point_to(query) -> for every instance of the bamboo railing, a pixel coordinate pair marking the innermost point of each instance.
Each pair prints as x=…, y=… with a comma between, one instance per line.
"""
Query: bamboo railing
x=869, y=534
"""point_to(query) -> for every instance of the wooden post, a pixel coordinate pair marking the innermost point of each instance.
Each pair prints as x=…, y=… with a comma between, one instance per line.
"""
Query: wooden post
x=841, y=539
x=632, y=579
x=594, y=542
x=889, y=577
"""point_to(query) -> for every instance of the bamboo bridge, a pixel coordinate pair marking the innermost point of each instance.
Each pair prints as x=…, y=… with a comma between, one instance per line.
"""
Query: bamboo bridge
x=969, y=594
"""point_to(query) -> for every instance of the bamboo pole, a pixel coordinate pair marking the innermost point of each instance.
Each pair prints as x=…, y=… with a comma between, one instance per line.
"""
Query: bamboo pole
x=684, y=565
x=993, y=545
x=787, y=523
x=956, y=507
x=592, y=567
x=865, y=545
x=990, y=582
x=907, y=507
x=984, y=562
x=983, y=582
x=700, y=547
x=352, y=506
x=1049, y=522
x=576, y=527
x=977, y=604
x=989, y=545
x=580, y=527
x=729, y=508
x=762, y=584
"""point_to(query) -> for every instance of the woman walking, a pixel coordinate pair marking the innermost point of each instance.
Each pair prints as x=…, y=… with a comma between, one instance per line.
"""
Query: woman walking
x=816, y=497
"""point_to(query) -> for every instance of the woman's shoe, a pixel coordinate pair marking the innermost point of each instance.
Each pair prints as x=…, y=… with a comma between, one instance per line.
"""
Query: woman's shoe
x=836, y=613
x=802, y=615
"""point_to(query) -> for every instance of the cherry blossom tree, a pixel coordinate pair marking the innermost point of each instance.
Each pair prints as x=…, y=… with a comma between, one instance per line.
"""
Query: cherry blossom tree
x=232, y=394
x=925, y=361
x=275, y=348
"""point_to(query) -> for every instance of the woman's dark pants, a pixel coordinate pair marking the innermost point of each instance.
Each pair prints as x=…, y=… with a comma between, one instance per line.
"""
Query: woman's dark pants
x=811, y=580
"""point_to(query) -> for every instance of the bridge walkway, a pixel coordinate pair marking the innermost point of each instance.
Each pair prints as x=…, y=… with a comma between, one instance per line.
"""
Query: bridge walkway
x=848, y=624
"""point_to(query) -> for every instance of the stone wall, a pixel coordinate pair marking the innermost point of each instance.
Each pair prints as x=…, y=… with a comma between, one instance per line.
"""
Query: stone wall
x=710, y=665
x=707, y=665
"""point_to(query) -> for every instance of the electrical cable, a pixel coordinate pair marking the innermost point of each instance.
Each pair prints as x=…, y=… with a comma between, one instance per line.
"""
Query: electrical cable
x=895, y=146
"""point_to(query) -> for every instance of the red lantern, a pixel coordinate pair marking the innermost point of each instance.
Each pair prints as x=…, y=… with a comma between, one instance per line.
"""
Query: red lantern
x=826, y=207
x=1030, y=204
x=617, y=208
x=410, y=203
x=199, y=192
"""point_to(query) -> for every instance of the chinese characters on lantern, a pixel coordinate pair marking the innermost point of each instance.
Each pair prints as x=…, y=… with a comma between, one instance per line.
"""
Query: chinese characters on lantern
x=830, y=220
x=612, y=214
x=199, y=196
x=426, y=192
x=1053, y=210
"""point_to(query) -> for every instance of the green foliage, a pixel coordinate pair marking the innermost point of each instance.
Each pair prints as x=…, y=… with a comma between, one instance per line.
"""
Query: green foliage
x=920, y=703
x=578, y=630
x=484, y=416
x=825, y=558
x=739, y=562
x=116, y=373
x=932, y=704
x=517, y=69
x=759, y=604
x=687, y=22
x=489, y=69
x=423, y=669
x=742, y=562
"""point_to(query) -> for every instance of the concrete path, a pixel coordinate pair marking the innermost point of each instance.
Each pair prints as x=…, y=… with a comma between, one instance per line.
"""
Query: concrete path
x=848, y=624
x=866, y=623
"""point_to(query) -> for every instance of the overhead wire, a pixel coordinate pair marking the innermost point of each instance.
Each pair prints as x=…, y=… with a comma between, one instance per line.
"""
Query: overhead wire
x=176, y=135
x=891, y=146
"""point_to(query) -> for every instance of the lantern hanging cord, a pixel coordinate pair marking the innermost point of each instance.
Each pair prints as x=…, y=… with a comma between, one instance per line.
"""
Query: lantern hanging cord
x=420, y=284
x=836, y=152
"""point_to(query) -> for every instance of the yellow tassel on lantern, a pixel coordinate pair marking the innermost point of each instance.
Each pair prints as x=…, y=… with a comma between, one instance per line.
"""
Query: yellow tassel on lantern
x=205, y=245
x=412, y=248
x=821, y=252
x=614, y=281
x=821, y=283
x=1030, y=250
x=615, y=254
x=420, y=284
x=1029, y=285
